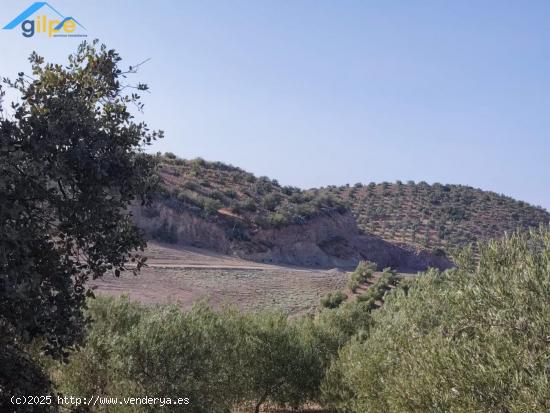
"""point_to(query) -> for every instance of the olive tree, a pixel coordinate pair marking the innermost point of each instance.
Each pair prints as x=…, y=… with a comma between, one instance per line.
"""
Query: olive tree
x=281, y=360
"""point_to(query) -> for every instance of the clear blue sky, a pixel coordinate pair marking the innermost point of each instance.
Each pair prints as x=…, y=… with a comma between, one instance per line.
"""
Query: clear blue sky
x=316, y=92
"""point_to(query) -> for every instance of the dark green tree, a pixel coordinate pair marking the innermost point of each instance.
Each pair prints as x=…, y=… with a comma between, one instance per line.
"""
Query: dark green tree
x=71, y=162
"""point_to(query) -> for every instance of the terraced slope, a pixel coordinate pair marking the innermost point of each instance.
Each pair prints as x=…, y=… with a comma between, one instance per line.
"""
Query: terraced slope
x=435, y=216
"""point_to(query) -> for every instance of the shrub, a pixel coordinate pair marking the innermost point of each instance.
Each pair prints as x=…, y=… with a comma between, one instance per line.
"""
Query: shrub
x=335, y=327
x=263, y=185
x=192, y=185
x=378, y=290
x=271, y=201
x=282, y=361
x=305, y=210
x=211, y=206
x=333, y=299
x=290, y=190
x=276, y=220
x=362, y=274
x=245, y=205
x=230, y=193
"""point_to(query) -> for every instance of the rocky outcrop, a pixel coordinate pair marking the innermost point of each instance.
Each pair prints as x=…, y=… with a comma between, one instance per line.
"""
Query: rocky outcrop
x=329, y=240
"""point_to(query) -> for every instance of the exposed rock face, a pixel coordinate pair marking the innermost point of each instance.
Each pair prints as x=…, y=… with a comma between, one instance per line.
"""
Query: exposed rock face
x=328, y=240
x=190, y=229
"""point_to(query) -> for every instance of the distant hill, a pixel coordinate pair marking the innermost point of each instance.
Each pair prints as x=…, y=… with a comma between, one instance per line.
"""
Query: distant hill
x=414, y=225
x=226, y=209
x=435, y=216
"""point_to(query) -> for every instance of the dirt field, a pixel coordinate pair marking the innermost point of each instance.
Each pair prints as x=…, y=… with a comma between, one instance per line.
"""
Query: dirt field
x=185, y=276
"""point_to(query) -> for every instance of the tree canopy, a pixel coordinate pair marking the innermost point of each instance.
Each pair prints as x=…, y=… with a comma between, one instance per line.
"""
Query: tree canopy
x=71, y=162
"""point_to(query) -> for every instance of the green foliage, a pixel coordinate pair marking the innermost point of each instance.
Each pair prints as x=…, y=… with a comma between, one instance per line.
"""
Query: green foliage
x=468, y=340
x=362, y=274
x=335, y=327
x=218, y=359
x=333, y=299
x=71, y=162
x=282, y=362
x=157, y=352
x=276, y=220
x=271, y=201
x=472, y=339
x=211, y=206
x=204, y=187
x=378, y=290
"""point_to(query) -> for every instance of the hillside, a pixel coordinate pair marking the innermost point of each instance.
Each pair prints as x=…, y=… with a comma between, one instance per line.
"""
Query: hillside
x=215, y=188
x=222, y=208
x=410, y=226
x=435, y=216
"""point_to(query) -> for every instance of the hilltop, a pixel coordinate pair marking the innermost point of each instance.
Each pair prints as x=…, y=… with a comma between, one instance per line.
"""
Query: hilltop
x=435, y=216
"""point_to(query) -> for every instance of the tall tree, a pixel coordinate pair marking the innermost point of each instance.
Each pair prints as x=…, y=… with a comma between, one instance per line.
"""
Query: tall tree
x=71, y=162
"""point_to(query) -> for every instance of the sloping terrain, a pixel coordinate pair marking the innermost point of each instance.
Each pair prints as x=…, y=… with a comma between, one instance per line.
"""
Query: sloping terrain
x=435, y=216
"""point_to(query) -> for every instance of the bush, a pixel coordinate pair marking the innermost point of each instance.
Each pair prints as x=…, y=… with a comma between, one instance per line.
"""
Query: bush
x=305, y=211
x=230, y=193
x=333, y=299
x=378, y=290
x=276, y=220
x=245, y=205
x=361, y=275
x=211, y=206
x=192, y=185
x=335, y=327
x=271, y=201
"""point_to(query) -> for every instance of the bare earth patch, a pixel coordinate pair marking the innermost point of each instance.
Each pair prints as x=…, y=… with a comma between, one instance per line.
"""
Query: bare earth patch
x=185, y=276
